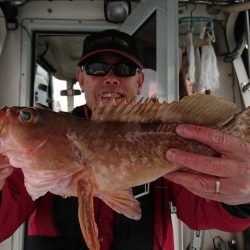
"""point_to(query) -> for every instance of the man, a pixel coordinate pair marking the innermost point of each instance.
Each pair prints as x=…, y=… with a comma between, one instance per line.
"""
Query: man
x=110, y=73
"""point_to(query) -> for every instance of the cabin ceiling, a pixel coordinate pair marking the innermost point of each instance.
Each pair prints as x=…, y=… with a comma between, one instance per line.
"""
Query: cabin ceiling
x=60, y=52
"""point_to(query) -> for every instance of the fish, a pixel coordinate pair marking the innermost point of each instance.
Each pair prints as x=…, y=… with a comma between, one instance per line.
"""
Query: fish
x=120, y=147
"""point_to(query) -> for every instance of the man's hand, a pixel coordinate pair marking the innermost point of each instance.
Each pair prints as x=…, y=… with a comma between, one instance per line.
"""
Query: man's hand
x=231, y=170
x=5, y=170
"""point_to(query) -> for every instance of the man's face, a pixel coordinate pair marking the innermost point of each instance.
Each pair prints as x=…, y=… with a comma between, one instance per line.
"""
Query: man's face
x=109, y=89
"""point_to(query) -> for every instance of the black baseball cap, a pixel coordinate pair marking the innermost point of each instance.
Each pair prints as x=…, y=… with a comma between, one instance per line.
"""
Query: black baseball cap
x=110, y=41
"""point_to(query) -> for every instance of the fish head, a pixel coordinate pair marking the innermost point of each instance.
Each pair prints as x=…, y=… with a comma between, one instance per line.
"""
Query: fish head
x=24, y=129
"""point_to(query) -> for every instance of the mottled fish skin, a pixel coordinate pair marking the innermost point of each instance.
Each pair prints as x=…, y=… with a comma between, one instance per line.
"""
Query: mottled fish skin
x=108, y=155
x=123, y=155
x=239, y=126
x=77, y=144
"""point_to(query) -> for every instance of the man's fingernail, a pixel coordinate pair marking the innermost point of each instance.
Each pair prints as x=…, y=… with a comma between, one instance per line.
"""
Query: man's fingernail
x=171, y=154
x=181, y=129
x=218, y=137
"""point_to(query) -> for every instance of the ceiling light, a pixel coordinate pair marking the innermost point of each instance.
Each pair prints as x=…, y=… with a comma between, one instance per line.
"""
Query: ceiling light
x=116, y=11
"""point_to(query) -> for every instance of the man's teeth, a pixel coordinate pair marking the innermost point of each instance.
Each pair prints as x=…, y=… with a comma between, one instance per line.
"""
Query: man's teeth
x=111, y=95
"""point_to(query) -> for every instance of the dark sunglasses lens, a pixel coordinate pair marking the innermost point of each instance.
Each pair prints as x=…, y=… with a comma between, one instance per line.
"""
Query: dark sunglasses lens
x=97, y=69
x=102, y=69
x=123, y=69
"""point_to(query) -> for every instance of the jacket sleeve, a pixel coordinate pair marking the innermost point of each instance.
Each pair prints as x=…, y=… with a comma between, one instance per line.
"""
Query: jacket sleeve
x=201, y=214
x=15, y=204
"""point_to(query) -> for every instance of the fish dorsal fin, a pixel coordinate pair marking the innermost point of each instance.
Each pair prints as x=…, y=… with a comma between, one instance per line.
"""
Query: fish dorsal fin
x=200, y=109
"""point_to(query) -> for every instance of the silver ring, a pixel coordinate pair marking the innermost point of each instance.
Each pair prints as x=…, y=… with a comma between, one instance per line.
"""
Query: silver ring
x=217, y=186
x=65, y=196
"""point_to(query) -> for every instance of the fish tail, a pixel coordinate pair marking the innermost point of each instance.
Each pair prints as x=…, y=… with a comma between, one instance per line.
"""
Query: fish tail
x=240, y=125
x=86, y=215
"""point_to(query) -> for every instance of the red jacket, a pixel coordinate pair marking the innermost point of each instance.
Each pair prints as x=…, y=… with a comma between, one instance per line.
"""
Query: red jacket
x=196, y=212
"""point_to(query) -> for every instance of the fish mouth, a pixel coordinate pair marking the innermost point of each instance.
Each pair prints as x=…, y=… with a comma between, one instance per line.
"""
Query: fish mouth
x=3, y=111
x=111, y=97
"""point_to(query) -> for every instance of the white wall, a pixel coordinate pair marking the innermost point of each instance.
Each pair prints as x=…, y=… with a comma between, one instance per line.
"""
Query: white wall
x=10, y=69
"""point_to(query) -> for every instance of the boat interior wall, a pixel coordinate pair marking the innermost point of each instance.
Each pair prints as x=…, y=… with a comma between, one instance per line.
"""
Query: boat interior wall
x=2, y=30
x=82, y=10
x=10, y=73
x=199, y=18
x=63, y=44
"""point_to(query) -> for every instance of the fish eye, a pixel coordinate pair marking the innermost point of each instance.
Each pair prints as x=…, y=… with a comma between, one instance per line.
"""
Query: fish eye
x=28, y=115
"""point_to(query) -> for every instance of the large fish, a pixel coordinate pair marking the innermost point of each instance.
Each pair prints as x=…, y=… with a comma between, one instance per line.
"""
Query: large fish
x=120, y=147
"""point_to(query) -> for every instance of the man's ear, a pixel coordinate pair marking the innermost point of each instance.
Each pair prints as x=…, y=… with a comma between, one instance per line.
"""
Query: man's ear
x=140, y=82
x=80, y=79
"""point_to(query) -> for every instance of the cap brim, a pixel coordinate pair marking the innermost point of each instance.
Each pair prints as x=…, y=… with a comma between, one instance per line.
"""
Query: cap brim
x=128, y=56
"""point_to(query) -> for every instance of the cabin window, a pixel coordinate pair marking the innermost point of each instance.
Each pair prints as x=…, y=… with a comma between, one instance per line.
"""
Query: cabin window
x=65, y=103
x=55, y=55
x=41, y=86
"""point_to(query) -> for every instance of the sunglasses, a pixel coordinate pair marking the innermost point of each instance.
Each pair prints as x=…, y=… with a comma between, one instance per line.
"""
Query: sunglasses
x=102, y=69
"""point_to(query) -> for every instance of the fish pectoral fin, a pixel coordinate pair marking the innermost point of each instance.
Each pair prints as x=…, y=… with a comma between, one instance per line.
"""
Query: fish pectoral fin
x=123, y=202
x=86, y=215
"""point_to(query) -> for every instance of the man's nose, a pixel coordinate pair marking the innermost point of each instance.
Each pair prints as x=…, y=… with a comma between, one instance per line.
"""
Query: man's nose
x=111, y=78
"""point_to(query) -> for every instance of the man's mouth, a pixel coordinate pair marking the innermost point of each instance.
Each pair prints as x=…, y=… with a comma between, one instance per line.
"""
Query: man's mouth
x=111, y=97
